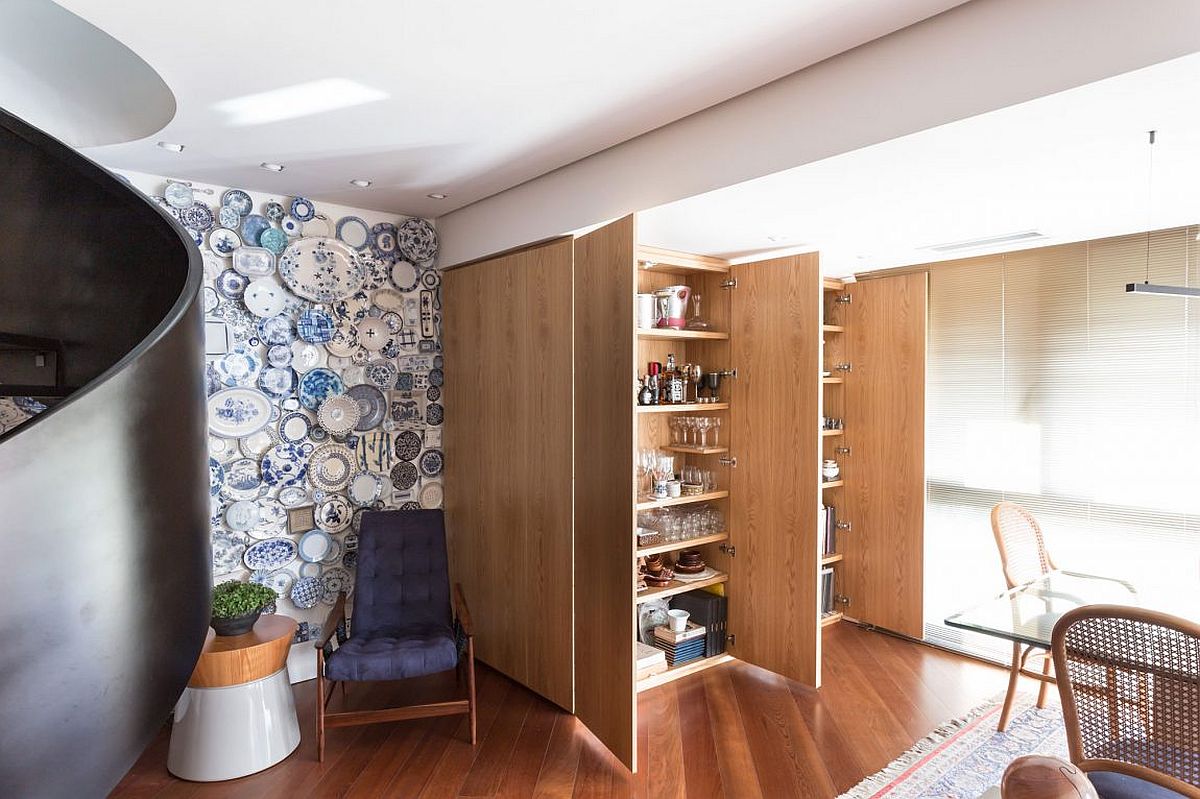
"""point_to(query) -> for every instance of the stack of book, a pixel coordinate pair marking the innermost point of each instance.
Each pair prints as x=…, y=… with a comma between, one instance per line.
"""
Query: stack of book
x=650, y=661
x=708, y=610
x=681, y=647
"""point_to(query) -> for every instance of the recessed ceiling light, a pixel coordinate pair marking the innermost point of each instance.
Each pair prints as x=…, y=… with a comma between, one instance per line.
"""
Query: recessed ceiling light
x=267, y=165
x=777, y=238
x=175, y=148
x=436, y=196
x=360, y=183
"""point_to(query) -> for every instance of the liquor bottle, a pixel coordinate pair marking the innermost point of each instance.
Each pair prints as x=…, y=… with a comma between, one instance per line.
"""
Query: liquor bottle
x=675, y=382
x=655, y=368
x=645, y=395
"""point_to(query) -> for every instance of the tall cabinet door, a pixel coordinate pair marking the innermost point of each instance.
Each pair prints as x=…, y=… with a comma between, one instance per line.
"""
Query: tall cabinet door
x=773, y=615
x=885, y=470
x=605, y=695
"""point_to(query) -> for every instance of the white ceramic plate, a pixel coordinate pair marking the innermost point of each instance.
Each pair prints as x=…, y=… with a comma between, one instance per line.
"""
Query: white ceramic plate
x=314, y=546
x=253, y=262
x=238, y=412
x=307, y=356
x=431, y=495
x=242, y=515
x=334, y=514
x=265, y=298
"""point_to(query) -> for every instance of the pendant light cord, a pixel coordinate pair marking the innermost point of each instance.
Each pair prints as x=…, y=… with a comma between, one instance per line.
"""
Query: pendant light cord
x=1149, y=202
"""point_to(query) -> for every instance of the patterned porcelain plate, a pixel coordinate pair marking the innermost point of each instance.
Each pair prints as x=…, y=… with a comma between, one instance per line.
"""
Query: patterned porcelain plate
x=272, y=519
x=278, y=581
x=310, y=569
x=315, y=326
x=321, y=269
x=365, y=488
x=239, y=367
x=388, y=300
x=302, y=209
x=383, y=241
x=273, y=239
x=231, y=285
x=242, y=515
x=274, y=211
x=307, y=356
x=408, y=445
x=277, y=383
x=265, y=298
x=372, y=406
x=374, y=451
x=434, y=413
x=373, y=333
x=211, y=300
x=318, y=384
x=238, y=412
x=227, y=552
x=228, y=217
x=314, y=546
x=293, y=496
x=404, y=275
x=291, y=226
x=253, y=262
x=432, y=462
x=269, y=555
x=412, y=504
x=344, y=342
x=179, y=195
x=431, y=279
x=354, y=232
x=285, y=465
x=382, y=374
x=198, y=217
x=277, y=330
x=431, y=495
x=244, y=477
x=294, y=427
x=307, y=592
x=223, y=241
x=253, y=227
x=238, y=200
x=258, y=444
x=338, y=414
x=404, y=476
x=279, y=356
x=352, y=308
x=216, y=476
x=335, y=580
x=334, y=514
x=417, y=240
x=332, y=556
x=330, y=467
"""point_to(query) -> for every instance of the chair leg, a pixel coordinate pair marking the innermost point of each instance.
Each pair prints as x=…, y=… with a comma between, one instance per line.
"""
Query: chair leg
x=1012, y=688
x=1045, y=685
x=320, y=706
x=471, y=684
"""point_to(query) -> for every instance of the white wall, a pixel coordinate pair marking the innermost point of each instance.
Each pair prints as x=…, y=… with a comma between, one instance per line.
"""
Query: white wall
x=978, y=57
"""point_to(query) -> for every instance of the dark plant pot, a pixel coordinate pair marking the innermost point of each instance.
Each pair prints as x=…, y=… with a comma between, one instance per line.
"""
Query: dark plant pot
x=235, y=625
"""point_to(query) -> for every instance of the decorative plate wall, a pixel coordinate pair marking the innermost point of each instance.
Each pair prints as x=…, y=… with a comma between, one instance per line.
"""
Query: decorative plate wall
x=321, y=269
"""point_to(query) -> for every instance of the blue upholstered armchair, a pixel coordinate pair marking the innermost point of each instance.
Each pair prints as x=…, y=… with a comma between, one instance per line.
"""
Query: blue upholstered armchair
x=404, y=624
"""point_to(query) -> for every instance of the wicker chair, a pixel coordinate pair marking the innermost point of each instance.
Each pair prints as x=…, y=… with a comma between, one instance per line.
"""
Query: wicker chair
x=1023, y=558
x=1130, y=685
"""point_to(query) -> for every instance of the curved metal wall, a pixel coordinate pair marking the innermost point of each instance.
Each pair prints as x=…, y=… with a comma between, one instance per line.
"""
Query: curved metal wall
x=103, y=499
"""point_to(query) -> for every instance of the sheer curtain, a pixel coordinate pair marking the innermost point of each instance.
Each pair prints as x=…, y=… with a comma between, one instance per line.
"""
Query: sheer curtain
x=1049, y=386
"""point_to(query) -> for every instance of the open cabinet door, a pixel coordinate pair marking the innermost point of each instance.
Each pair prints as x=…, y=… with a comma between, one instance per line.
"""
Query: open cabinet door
x=605, y=696
x=773, y=614
x=885, y=471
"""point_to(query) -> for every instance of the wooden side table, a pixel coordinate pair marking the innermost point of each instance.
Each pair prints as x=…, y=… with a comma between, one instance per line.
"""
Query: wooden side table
x=237, y=715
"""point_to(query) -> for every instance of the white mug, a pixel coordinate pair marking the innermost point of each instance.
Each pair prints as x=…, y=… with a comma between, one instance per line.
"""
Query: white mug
x=678, y=620
x=646, y=313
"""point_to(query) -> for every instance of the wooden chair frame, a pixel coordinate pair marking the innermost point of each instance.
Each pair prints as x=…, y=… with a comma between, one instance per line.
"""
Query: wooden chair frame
x=352, y=718
x=1067, y=691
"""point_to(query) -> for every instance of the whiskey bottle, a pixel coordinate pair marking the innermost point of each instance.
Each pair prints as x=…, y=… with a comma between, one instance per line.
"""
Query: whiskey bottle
x=645, y=395
x=675, y=382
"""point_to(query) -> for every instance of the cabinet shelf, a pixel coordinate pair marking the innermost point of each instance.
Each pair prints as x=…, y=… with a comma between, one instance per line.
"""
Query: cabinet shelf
x=659, y=259
x=832, y=284
x=833, y=329
x=683, y=408
x=827, y=560
x=651, y=504
x=677, y=545
x=832, y=483
x=675, y=672
x=833, y=381
x=832, y=618
x=697, y=450
x=678, y=587
x=667, y=333
x=827, y=433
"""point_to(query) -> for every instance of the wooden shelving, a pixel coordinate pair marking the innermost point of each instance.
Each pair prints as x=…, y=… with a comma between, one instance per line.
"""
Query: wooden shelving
x=667, y=333
x=832, y=284
x=832, y=618
x=828, y=433
x=827, y=560
x=832, y=483
x=690, y=450
x=673, y=546
x=679, y=587
x=659, y=259
x=683, y=408
x=672, y=674
x=667, y=503
x=833, y=329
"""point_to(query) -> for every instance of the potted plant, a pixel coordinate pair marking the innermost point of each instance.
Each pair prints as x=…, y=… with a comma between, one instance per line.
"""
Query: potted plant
x=237, y=605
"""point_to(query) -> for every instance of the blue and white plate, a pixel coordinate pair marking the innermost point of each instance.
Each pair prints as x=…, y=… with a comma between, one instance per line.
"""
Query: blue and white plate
x=216, y=476
x=223, y=241
x=431, y=279
x=243, y=477
x=404, y=476
x=334, y=514
x=253, y=261
x=291, y=226
x=253, y=227
x=408, y=445
x=291, y=496
x=383, y=374
x=210, y=298
x=198, y=217
x=277, y=330
x=279, y=356
x=405, y=276
x=269, y=555
x=307, y=592
x=302, y=209
x=274, y=240
x=277, y=382
x=383, y=241
x=179, y=195
x=294, y=427
x=353, y=231
x=434, y=413
x=278, y=581
x=372, y=406
x=310, y=569
x=285, y=465
x=257, y=444
x=272, y=519
x=318, y=384
x=330, y=467
x=237, y=412
x=228, y=217
x=315, y=326
x=227, y=552
x=417, y=240
x=239, y=367
x=365, y=488
x=314, y=546
x=238, y=200
x=231, y=285
x=242, y=515
x=273, y=211
x=432, y=462
x=334, y=580
x=321, y=269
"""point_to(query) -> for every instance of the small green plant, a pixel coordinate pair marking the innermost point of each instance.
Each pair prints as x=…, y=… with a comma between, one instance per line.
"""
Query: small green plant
x=234, y=598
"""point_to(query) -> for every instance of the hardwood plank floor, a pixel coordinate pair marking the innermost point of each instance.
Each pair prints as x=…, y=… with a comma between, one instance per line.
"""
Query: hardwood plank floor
x=733, y=731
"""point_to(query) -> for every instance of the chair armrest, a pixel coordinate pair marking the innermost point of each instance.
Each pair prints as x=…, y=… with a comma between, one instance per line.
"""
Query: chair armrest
x=461, y=612
x=336, y=616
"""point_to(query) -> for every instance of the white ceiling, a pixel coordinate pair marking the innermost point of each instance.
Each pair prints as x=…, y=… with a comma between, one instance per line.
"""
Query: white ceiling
x=1073, y=165
x=461, y=98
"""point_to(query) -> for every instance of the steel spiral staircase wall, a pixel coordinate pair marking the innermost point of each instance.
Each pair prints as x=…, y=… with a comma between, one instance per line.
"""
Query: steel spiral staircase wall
x=104, y=554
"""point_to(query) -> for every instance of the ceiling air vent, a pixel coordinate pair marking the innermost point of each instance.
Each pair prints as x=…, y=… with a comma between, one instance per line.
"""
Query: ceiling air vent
x=989, y=241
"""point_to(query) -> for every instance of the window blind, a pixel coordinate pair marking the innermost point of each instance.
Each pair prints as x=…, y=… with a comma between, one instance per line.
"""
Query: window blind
x=1049, y=386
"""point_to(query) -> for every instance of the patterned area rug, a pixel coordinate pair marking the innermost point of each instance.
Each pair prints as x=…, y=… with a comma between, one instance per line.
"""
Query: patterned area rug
x=963, y=758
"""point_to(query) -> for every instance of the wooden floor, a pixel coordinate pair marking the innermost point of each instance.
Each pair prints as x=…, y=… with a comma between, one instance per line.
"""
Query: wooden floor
x=733, y=731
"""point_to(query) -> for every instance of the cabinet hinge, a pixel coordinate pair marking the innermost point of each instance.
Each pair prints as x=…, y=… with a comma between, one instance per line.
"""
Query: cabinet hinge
x=845, y=299
x=730, y=283
x=844, y=526
x=728, y=373
x=844, y=367
x=842, y=450
x=729, y=550
x=841, y=599
x=731, y=639
x=730, y=462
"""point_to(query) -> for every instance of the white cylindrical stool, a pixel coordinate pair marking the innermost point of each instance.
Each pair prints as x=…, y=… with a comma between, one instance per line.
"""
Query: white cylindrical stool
x=237, y=715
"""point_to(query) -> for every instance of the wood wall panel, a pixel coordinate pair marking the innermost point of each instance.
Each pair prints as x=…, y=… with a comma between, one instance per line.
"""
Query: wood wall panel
x=775, y=344
x=885, y=473
x=605, y=697
x=507, y=338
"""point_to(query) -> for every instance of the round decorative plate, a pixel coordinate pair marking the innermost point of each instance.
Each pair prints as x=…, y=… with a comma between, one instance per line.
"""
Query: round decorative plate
x=294, y=427
x=208, y=296
x=344, y=342
x=307, y=592
x=353, y=308
x=198, y=217
x=213, y=265
x=231, y=285
x=238, y=412
x=302, y=209
x=292, y=496
x=238, y=200
x=321, y=269
x=331, y=557
x=227, y=553
x=408, y=445
x=354, y=375
x=223, y=241
x=253, y=261
x=335, y=580
x=253, y=227
x=279, y=356
x=436, y=377
x=238, y=367
x=372, y=406
x=365, y=488
x=317, y=384
x=404, y=275
x=274, y=240
x=382, y=374
x=243, y=478
x=269, y=555
x=338, y=414
x=417, y=240
x=431, y=495
x=373, y=333
x=240, y=516
x=291, y=226
x=354, y=232
x=285, y=465
x=277, y=330
x=433, y=393
x=276, y=382
x=377, y=271
x=272, y=519
x=310, y=570
x=314, y=546
x=387, y=299
x=273, y=211
x=383, y=241
x=278, y=581
x=434, y=413
x=412, y=504
x=431, y=279
x=431, y=462
x=264, y=297
x=179, y=195
x=216, y=476
x=218, y=446
x=404, y=476
x=334, y=514
x=315, y=326
x=330, y=467
x=228, y=217
x=317, y=227
x=307, y=356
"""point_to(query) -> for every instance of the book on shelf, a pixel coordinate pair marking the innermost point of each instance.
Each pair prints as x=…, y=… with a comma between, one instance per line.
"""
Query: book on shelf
x=828, y=529
x=667, y=635
x=650, y=661
x=709, y=611
x=826, y=591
